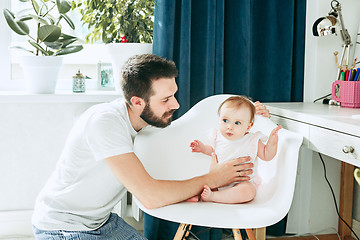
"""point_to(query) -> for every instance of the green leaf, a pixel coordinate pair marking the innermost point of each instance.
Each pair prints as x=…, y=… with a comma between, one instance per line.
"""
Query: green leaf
x=73, y=5
x=22, y=48
x=54, y=45
x=43, y=8
x=49, y=33
x=66, y=36
x=68, y=42
x=38, y=47
x=63, y=6
x=19, y=27
x=49, y=16
x=68, y=50
x=24, y=27
x=104, y=17
x=38, y=19
x=23, y=12
x=52, y=21
x=68, y=20
x=35, y=6
x=25, y=18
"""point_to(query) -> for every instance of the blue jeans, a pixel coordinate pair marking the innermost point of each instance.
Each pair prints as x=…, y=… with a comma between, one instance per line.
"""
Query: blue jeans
x=160, y=229
x=114, y=229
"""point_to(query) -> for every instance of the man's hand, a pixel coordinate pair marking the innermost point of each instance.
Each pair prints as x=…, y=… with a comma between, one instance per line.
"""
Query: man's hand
x=261, y=109
x=236, y=170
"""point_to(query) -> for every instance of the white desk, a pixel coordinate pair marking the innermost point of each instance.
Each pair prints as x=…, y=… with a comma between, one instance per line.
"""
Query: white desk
x=330, y=130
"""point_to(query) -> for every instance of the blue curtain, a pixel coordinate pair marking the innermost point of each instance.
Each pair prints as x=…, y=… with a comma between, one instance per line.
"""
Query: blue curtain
x=248, y=47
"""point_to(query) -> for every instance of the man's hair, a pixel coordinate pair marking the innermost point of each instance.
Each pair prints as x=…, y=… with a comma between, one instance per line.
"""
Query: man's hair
x=238, y=102
x=140, y=70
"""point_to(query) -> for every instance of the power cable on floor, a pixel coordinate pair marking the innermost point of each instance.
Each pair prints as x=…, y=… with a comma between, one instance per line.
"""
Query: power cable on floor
x=332, y=192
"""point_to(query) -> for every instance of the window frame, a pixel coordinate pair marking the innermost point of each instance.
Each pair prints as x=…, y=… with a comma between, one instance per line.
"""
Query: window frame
x=5, y=56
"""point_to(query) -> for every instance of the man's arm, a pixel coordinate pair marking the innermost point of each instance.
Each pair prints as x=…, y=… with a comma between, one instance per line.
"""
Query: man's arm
x=153, y=193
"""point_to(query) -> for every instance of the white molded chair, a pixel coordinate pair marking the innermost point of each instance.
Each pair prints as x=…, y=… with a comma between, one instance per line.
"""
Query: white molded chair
x=166, y=154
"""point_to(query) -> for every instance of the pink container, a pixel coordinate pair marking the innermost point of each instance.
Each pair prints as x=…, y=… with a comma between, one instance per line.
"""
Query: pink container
x=349, y=93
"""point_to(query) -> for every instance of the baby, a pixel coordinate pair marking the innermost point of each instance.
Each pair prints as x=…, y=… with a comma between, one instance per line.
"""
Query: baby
x=232, y=139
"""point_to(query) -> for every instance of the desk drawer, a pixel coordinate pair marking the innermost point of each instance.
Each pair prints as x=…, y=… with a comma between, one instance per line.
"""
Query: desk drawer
x=332, y=143
x=294, y=126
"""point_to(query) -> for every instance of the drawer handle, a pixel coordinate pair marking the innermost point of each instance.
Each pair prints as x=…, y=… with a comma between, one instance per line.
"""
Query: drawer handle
x=348, y=149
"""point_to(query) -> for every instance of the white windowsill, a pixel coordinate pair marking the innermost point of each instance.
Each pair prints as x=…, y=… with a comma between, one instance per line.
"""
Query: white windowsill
x=60, y=96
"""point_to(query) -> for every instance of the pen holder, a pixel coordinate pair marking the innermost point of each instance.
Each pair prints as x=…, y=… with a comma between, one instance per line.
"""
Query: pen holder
x=348, y=93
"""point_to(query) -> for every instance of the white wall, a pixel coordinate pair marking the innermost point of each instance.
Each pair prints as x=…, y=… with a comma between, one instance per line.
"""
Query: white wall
x=320, y=72
x=320, y=66
x=31, y=140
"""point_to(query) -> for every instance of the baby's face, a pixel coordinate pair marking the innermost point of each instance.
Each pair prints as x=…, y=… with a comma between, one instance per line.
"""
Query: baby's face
x=234, y=123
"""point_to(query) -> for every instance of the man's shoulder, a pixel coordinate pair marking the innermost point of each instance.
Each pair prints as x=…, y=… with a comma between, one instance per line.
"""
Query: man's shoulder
x=116, y=107
x=109, y=112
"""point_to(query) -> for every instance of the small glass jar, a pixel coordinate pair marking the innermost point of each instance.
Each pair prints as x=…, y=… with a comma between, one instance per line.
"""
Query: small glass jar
x=78, y=83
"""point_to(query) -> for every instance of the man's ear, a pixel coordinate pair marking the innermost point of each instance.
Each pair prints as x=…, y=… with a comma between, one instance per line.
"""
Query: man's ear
x=137, y=102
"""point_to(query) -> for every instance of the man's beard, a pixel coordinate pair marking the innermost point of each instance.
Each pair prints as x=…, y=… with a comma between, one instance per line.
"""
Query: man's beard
x=161, y=122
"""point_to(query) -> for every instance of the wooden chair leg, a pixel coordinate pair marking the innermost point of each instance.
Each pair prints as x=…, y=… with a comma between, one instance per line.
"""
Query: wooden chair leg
x=237, y=234
x=183, y=231
x=260, y=233
x=250, y=234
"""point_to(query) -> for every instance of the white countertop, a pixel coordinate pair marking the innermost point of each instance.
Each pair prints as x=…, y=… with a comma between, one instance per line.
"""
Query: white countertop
x=346, y=120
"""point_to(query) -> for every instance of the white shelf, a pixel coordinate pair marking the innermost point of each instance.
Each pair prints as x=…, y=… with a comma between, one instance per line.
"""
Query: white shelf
x=61, y=96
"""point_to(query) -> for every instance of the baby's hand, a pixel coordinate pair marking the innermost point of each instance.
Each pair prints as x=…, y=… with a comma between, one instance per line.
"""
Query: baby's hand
x=196, y=146
x=273, y=138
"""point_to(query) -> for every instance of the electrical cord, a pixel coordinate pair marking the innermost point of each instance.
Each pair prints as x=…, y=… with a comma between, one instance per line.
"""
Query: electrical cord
x=315, y=233
x=322, y=97
x=333, y=195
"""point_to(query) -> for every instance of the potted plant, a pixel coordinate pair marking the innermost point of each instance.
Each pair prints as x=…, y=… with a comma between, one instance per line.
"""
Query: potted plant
x=126, y=26
x=48, y=44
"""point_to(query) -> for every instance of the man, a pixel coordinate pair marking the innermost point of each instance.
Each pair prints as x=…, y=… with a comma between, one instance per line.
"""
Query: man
x=98, y=161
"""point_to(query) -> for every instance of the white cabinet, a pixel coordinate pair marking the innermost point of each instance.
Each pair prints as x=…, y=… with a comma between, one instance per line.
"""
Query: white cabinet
x=335, y=132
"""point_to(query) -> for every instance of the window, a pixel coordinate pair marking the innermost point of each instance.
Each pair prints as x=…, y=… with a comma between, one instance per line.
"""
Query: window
x=86, y=60
x=4, y=48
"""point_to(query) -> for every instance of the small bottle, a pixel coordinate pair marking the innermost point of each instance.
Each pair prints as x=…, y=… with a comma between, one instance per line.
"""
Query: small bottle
x=78, y=83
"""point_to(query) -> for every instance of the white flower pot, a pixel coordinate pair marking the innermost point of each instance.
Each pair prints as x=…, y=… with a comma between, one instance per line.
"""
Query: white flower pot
x=41, y=73
x=120, y=53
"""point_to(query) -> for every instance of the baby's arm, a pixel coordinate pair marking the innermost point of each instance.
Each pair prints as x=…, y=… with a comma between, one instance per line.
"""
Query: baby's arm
x=198, y=146
x=267, y=152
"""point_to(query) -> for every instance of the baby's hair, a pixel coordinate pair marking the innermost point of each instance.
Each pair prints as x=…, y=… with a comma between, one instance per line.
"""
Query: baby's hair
x=239, y=101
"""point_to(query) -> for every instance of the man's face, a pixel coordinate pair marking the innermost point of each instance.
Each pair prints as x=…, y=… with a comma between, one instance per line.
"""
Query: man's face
x=161, y=106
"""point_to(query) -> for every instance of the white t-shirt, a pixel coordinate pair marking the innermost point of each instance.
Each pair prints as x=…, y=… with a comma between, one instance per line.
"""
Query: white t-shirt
x=82, y=191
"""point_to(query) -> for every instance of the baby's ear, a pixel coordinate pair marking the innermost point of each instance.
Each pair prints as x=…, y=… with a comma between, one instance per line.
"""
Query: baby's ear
x=250, y=126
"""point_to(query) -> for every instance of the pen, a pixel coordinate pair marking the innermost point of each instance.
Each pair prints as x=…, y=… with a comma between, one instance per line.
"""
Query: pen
x=349, y=76
x=352, y=76
x=343, y=76
x=357, y=74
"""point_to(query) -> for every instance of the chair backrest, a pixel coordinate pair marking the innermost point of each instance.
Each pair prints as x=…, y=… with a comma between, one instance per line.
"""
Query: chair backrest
x=166, y=154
